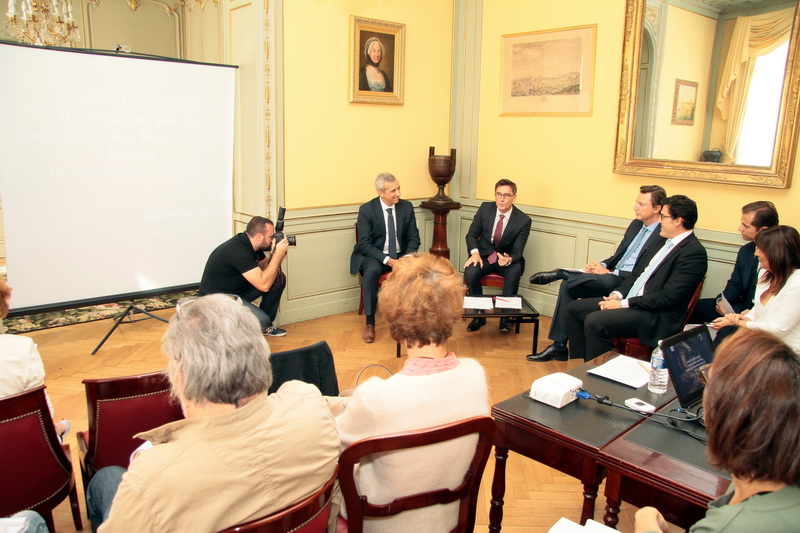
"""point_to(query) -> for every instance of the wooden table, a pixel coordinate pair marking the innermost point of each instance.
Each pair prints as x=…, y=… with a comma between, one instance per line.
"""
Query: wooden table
x=653, y=465
x=527, y=315
x=567, y=439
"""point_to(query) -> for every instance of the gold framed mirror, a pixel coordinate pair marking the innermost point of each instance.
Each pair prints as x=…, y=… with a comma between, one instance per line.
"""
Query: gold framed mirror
x=649, y=143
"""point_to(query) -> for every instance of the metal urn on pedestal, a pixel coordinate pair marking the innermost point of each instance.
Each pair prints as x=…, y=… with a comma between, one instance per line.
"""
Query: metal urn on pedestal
x=441, y=169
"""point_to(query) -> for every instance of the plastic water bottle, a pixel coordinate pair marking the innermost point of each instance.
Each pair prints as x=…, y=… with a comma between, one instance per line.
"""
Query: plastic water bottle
x=659, y=375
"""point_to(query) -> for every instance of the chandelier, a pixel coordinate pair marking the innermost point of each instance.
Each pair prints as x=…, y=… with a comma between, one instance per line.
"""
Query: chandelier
x=43, y=22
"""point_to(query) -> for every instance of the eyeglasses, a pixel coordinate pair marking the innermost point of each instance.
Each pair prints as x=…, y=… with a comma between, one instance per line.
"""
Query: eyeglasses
x=665, y=216
x=703, y=373
x=183, y=303
x=503, y=195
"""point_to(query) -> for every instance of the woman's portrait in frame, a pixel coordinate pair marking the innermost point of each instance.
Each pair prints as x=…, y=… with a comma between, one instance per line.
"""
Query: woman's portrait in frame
x=377, y=61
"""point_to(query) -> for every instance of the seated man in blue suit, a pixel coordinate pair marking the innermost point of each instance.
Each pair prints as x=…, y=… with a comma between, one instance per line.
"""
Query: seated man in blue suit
x=495, y=240
x=599, y=279
x=650, y=304
x=387, y=231
x=741, y=287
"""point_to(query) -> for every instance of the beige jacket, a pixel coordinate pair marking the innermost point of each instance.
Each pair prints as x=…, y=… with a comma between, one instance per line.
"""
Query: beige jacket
x=210, y=473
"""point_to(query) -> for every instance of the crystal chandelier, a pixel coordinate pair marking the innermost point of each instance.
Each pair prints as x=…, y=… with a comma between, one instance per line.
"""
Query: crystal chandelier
x=43, y=22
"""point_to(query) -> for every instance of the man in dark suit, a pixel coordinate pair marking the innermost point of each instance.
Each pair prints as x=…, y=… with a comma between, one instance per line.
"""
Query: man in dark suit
x=495, y=240
x=387, y=231
x=599, y=279
x=650, y=303
x=741, y=287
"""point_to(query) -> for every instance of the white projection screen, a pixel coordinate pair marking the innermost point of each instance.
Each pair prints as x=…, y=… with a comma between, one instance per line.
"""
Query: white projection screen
x=116, y=173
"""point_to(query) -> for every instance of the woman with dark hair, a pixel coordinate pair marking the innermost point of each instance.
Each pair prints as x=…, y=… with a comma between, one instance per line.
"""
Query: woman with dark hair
x=421, y=300
x=371, y=77
x=776, y=307
x=752, y=412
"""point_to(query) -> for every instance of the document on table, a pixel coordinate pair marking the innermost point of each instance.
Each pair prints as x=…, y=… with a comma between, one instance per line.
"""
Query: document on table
x=477, y=302
x=508, y=302
x=573, y=269
x=625, y=370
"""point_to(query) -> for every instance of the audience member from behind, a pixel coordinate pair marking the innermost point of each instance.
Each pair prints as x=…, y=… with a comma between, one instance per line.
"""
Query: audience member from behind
x=752, y=412
x=239, y=454
x=776, y=307
x=21, y=367
x=422, y=300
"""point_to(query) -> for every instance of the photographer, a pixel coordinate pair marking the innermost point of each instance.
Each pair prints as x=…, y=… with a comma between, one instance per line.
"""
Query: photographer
x=240, y=267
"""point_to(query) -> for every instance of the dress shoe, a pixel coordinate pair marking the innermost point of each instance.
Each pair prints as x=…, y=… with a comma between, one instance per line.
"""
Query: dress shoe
x=505, y=325
x=369, y=334
x=476, y=324
x=549, y=353
x=543, y=278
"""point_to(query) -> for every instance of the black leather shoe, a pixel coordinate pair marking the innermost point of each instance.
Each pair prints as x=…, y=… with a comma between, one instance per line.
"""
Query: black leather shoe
x=505, y=325
x=549, y=353
x=543, y=278
x=476, y=324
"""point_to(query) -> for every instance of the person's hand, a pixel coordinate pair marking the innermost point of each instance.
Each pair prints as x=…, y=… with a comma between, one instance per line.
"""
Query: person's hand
x=718, y=308
x=280, y=248
x=503, y=259
x=474, y=259
x=392, y=262
x=610, y=302
x=729, y=319
x=593, y=267
x=650, y=519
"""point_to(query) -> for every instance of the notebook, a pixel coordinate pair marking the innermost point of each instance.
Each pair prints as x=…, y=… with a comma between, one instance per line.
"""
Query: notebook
x=684, y=354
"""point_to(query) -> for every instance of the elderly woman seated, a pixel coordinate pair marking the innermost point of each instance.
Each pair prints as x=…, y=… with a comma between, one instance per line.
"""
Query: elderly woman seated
x=421, y=301
x=239, y=454
x=752, y=412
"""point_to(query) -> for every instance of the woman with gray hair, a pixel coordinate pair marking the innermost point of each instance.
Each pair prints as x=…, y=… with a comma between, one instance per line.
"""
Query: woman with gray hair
x=371, y=77
x=239, y=454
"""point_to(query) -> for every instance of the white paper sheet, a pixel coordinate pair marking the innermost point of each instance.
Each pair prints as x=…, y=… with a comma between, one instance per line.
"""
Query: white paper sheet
x=508, y=302
x=477, y=302
x=626, y=370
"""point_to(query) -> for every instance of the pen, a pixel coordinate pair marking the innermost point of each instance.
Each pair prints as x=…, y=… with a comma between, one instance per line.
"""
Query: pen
x=643, y=367
x=501, y=299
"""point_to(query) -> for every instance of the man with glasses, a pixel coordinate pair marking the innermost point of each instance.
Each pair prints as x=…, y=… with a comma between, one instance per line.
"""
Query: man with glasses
x=496, y=240
x=650, y=304
x=240, y=267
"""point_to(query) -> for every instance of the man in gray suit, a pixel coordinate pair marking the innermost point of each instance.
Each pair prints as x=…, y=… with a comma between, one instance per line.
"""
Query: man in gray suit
x=387, y=231
x=599, y=279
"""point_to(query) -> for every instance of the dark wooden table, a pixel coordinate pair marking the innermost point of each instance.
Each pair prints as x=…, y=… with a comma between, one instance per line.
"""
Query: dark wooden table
x=567, y=439
x=654, y=465
x=527, y=315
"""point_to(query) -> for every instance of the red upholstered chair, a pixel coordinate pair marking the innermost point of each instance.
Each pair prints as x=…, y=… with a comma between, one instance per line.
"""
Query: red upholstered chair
x=119, y=408
x=306, y=516
x=632, y=347
x=493, y=280
x=361, y=281
x=358, y=505
x=36, y=470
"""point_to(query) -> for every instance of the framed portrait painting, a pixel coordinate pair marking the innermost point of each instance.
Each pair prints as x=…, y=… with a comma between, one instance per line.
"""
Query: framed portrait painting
x=549, y=72
x=377, y=61
x=684, y=102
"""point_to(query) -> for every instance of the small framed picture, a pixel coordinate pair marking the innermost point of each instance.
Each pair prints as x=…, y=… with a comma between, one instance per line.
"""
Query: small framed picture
x=684, y=103
x=377, y=61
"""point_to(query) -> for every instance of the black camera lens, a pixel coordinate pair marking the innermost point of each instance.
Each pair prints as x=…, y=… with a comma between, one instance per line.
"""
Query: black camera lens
x=292, y=240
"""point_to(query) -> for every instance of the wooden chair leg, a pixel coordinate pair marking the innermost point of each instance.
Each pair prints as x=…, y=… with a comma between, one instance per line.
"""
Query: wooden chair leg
x=76, y=507
x=48, y=518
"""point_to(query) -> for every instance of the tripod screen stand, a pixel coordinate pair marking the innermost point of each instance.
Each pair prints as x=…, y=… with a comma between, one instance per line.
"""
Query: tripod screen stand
x=128, y=312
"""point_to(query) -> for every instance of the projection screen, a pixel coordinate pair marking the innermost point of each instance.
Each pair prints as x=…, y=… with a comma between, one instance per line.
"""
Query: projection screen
x=115, y=173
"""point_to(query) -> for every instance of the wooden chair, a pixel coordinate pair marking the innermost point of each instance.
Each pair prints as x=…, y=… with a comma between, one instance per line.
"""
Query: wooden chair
x=361, y=281
x=493, y=280
x=311, y=364
x=306, y=516
x=36, y=469
x=119, y=408
x=633, y=347
x=358, y=505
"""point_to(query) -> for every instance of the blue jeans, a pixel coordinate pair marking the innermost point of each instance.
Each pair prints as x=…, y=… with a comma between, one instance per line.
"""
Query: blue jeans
x=100, y=494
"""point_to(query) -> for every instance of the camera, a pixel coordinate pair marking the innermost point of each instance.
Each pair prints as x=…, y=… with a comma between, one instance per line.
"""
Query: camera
x=279, y=235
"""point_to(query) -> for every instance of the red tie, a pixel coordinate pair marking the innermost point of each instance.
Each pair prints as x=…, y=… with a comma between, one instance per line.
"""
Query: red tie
x=498, y=234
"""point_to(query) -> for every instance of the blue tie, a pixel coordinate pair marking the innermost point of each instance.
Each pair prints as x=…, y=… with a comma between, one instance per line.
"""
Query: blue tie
x=632, y=249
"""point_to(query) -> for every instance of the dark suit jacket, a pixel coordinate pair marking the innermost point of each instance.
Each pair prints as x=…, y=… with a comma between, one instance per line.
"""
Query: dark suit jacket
x=741, y=288
x=371, y=230
x=669, y=289
x=627, y=239
x=514, y=237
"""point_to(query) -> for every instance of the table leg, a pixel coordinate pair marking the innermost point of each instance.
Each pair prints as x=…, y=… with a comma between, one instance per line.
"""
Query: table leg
x=591, y=477
x=535, y=336
x=498, y=489
x=611, y=518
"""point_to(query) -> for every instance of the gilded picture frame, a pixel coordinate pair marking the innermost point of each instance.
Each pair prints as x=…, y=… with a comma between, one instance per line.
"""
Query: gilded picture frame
x=684, y=102
x=549, y=72
x=377, y=61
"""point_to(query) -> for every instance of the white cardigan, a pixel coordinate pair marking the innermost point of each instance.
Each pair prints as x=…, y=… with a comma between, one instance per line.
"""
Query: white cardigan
x=781, y=315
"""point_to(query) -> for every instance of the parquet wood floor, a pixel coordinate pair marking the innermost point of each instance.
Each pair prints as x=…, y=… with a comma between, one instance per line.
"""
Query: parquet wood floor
x=536, y=496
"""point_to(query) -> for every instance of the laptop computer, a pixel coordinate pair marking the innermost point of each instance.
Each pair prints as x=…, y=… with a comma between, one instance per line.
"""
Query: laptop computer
x=684, y=354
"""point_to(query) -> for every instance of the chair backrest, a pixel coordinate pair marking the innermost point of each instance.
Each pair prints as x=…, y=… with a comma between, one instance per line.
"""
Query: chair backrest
x=358, y=505
x=306, y=516
x=35, y=470
x=312, y=364
x=693, y=303
x=119, y=408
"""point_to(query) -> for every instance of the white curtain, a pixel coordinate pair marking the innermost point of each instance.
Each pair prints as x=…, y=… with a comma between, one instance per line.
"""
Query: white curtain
x=753, y=36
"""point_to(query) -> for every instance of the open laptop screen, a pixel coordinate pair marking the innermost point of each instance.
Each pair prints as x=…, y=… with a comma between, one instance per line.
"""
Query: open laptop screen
x=684, y=354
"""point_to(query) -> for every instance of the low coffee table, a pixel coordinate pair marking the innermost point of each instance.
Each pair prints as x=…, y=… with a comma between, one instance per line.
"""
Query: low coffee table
x=527, y=315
